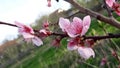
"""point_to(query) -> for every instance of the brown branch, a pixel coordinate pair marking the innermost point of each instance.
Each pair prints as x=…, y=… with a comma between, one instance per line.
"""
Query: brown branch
x=85, y=37
x=96, y=15
x=102, y=37
x=62, y=35
x=7, y=24
x=95, y=38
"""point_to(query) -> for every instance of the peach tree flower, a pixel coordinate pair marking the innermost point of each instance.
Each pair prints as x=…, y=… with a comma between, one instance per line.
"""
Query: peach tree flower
x=28, y=34
x=76, y=27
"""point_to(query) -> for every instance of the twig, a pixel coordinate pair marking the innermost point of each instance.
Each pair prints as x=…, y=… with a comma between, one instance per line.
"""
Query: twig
x=108, y=9
x=102, y=37
x=7, y=24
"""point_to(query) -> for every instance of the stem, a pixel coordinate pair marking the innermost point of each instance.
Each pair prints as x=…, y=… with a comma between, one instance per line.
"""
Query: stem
x=108, y=9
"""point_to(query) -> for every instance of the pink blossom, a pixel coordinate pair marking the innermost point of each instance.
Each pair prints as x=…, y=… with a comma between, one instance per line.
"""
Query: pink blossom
x=75, y=28
x=85, y=51
x=64, y=24
x=28, y=34
x=110, y=2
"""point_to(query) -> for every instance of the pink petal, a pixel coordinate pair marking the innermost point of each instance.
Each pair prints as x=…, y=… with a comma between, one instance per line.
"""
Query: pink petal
x=27, y=35
x=24, y=28
x=71, y=32
x=43, y=31
x=28, y=40
x=110, y=2
x=86, y=52
x=75, y=27
x=72, y=45
x=19, y=24
x=77, y=23
x=86, y=24
x=72, y=48
x=37, y=41
x=64, y=24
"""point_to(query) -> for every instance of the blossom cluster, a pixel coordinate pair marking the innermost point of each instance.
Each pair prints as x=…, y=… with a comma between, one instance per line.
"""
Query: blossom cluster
x=74, y=30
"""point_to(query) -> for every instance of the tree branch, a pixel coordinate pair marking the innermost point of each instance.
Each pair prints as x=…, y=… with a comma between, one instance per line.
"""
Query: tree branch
x=96, y=15
x=102, y=37
x=7, y=24
x=84, y=37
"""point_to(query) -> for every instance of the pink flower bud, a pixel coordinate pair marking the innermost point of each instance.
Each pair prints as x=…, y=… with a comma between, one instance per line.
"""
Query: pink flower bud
x=46, y=24
x=103, y=61
x=114, y=53
x=56, y=42
x=49, y=3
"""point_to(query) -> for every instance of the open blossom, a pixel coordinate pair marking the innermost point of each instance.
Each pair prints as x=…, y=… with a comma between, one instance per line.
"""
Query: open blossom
x=76, y=27
x=28, y=34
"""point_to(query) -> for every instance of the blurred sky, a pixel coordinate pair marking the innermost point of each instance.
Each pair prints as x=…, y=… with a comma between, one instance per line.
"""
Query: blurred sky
x=24, y=11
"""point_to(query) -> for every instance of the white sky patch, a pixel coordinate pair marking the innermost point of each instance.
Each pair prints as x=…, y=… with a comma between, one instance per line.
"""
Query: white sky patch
x=24, y=11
